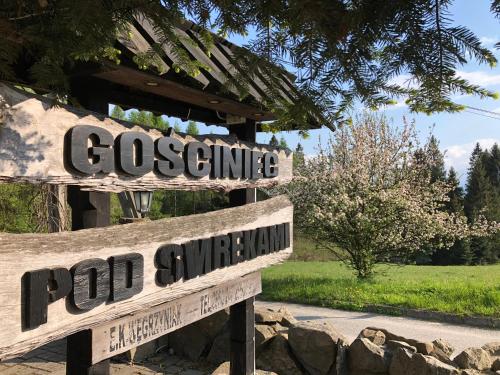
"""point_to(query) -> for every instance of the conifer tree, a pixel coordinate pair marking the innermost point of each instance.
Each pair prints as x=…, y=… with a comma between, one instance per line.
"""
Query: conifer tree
x=158, y=122
x=177, y=127
x=436, y=160
x=493, y=167
x=273, y=141
x=481, y=199
x=118, y=113
x=459, y=252
x=283, y=143
x=192, y=128
x=351, y=52
x=298, y=157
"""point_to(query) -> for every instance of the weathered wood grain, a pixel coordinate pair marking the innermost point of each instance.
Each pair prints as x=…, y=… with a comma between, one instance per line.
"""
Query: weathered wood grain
x=20, y=253
x=32, y=135
x=131, y=331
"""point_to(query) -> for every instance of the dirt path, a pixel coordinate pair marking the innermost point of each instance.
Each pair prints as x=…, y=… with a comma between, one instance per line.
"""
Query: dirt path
x=351, y=323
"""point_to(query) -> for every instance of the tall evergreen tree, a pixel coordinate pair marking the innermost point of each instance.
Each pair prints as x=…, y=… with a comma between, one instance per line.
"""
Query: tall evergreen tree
x=435, y=160
x=493, y=166
x=177, y=127
x=459, y=252
x=158, y=122
x=192, y=128
x=283, y=143
x=118, y=113
x=482, y=199
x=273, y=142
x=298, y=157
x=140, y=117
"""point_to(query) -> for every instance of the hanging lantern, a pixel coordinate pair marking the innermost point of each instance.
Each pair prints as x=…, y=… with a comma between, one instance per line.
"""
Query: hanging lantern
x=136, y=204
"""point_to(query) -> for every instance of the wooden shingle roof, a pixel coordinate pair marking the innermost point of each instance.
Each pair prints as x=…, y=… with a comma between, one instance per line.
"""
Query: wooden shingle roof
x=209, y=92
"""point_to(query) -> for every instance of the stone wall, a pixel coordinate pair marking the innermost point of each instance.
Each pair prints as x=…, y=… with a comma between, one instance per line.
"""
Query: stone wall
x=285, y=346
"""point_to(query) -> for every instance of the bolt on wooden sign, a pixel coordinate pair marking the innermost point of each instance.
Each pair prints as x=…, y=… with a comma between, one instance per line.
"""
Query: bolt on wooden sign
x=60, y=283
x=63, y=145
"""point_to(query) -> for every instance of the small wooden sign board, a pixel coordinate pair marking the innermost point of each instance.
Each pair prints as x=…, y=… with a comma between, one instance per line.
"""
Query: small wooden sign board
x=57, y=284
x=65, y=145
x=131, y=331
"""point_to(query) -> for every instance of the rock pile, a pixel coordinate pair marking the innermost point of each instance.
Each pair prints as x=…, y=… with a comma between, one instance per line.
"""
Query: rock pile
x=285, y=346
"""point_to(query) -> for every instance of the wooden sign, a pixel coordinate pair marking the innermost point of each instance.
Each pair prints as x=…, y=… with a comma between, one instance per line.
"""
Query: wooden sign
x=57, y=284
x=131, y=331
x=64, y=145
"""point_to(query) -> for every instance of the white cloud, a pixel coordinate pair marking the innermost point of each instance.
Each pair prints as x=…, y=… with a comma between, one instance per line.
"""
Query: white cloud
x=496, y=110
x=480, y=78
x=488, y=40
x=457, y=156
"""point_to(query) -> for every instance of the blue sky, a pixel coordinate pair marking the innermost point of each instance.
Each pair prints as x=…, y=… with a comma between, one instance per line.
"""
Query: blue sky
x=458, y=132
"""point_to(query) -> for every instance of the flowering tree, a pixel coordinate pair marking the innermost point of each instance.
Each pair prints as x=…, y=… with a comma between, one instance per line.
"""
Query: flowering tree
x=368, y=198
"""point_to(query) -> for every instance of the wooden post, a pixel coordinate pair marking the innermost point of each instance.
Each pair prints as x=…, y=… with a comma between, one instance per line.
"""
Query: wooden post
x=242, y=315
x=89, y=209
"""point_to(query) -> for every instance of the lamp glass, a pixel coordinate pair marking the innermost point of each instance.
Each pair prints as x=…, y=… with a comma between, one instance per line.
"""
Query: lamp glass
x=143, y=200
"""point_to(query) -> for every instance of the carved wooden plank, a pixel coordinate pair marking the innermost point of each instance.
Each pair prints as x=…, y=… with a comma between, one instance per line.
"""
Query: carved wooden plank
x=33, y=149
x=229, y=237
x=131, y=331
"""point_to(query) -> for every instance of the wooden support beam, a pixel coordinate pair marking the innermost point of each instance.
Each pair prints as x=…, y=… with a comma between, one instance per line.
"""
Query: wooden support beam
x=242, y=335
x=90, y=209
x=242, y=318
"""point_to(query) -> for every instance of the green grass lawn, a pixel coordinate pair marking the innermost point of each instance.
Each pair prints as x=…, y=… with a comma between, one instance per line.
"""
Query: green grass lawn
x=464, y=290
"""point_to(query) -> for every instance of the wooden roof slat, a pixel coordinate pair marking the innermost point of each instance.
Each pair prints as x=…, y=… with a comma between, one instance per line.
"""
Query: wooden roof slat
x=148, y=28
x=257, y=83
x=136, y=44
x=201, y=56
x=258, y=78
x=223, y=61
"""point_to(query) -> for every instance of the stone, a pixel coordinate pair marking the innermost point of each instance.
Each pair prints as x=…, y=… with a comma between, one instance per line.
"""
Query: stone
x=377, y=337
x=493, y=348
x=401, y=361
x=223, y=369
x=422, y=347
x=404, y=362
x=264, y=315
x=194, y=340
x=473, y=358
x=365, y=357
x=189, y=342
x=277, y=356
x=427, y=365
x=314, y=345
x=445, y=346
x=212, y=325
x=496, y=365
x=442, y=356
x=393, y=346
x=263, y=333
x=287, y=319
x=141, y=352
x=220, y=350
x=279, y=328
